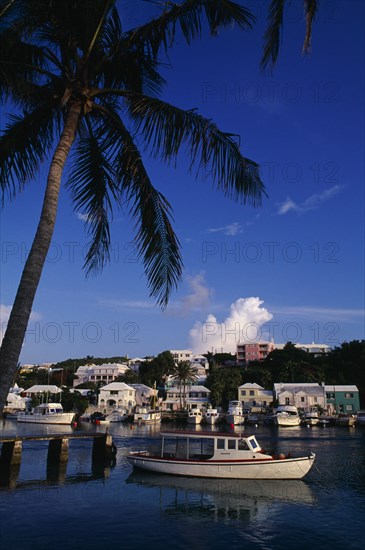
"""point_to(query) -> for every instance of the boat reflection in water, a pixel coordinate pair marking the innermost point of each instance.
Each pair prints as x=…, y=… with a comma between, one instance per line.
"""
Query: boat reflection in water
x=218, y=498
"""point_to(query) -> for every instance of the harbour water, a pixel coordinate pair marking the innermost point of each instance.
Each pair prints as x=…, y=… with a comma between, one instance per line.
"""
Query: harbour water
x=81, y=507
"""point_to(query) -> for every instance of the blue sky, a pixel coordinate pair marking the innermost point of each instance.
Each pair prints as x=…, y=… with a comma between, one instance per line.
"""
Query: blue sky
x=292, y=269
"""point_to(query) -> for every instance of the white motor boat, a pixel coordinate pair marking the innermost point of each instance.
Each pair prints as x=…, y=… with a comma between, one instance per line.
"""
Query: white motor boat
x=118, y=415
x=311, y=417
x=219, y=455
x=235, y=413
x=46, y=413
x=287, y=415
x=144, y=415
x=195, y=416
x=211, y=417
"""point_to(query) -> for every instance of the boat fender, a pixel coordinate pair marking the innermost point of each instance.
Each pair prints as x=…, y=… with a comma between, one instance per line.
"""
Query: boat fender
x=281, y=456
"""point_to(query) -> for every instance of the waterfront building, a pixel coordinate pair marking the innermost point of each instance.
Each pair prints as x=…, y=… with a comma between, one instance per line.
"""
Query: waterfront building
x=342, y=399
x=117, y=394
x=195, y=397
x=254, y=395
x=301, y=395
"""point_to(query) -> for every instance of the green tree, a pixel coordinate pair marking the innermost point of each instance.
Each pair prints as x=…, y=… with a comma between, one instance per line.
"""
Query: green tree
x=223, y=383
x=79, y=80
x=184, y=373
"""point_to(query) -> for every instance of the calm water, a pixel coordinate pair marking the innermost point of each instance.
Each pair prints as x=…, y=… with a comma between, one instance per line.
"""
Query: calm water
x=84, y=508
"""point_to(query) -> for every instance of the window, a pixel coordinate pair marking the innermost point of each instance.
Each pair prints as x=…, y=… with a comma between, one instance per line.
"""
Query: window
x=349, y=395
x=287, y=401
x=302, y=399
x=349, y=408
x=252, y=392
x=242, y=445
x=231, y=444
x=220, y=443
x=243, y=392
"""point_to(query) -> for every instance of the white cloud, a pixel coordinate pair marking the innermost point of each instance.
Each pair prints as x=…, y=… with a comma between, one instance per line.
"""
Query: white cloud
x=242, y=324
x=83, y=217
x=231, y=229
x=311, y=203
x=199, y=296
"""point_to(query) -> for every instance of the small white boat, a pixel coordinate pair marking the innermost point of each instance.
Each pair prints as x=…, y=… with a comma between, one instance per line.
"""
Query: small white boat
x=195, y=416
x=144, y=415
x=211, y=416
x=287, y=415
x=310, y=418
x=218, y=455
x=344, y=419
x=46, y=413
x=118, y=415
x=235, y=414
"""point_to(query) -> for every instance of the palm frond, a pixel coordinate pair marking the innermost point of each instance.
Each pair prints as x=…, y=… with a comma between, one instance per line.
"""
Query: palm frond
x=165, y=128
x=20, y=64
x=155, y=238
x=272, y=37
x=24, y=144
x=188, y=18
x=310, y=8
x=93, y=192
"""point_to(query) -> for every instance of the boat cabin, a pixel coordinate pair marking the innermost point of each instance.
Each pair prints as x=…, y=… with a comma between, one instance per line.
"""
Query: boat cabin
x=205, y=446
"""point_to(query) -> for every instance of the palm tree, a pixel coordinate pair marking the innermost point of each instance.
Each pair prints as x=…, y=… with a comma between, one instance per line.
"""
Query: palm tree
x=80, y=82
x=184, y=373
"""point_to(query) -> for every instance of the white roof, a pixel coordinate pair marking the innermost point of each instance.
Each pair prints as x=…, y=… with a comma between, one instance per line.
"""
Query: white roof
x=117, y=386
x=341, y=388
x=251, y=385
x=41, y=388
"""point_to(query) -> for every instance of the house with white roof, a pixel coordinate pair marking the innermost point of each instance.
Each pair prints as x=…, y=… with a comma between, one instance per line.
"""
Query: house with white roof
x=342, y=399
x=117, y=394
x=254, y=395
x=195, y=397
x=302, y=395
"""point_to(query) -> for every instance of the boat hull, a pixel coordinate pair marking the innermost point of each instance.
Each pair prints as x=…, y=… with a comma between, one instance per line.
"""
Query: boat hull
x=235, y=419
x=60, y=418
x=288, y=468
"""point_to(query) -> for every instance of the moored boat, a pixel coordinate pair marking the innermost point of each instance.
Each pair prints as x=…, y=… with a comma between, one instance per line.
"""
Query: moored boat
x=218, y=455
x=118, y=415
x=46, y=413
x=360, y=421
x=344, y=419
x=211, y=416
x=144, y=415
x=235, y=414
x=287, y=415
x=195, y=416
x=310, y=418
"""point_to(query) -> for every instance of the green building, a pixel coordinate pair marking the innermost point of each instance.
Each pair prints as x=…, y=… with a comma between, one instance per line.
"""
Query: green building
x=342, y=399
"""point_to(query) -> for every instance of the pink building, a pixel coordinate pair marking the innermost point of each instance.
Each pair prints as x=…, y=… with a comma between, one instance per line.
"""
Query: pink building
x=255, y=351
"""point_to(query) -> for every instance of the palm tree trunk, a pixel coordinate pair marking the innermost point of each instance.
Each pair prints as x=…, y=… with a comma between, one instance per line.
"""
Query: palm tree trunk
x=22, y=307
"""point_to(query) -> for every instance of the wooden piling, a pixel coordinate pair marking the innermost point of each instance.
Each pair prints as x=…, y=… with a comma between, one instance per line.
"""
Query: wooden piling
x=57, y=450
x=11, y=453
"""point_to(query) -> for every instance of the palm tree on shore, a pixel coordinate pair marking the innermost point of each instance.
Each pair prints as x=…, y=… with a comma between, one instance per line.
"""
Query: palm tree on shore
x=88, y=93
x=184, y=374
x=80, y=81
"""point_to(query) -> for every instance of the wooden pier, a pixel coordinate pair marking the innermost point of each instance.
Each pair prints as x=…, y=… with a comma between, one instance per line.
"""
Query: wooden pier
x=11, y=451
